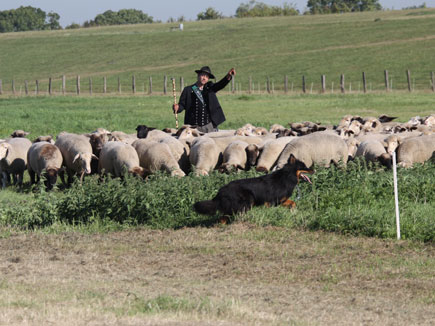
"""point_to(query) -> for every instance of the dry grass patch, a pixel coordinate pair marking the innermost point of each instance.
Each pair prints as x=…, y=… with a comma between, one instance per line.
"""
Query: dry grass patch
x=234, y=275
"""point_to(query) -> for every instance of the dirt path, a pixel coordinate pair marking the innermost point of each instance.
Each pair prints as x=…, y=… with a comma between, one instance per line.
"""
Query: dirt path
x=234, y=275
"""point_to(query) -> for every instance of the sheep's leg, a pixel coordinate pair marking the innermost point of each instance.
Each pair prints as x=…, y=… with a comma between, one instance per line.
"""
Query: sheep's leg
x=32, y=176
x=62, y=176
x=20, y=180
x=5, y=179
x=14, y=178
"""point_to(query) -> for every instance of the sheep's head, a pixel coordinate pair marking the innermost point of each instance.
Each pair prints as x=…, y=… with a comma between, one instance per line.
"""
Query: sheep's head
x=48, y=139
x=391, y=143
x=97, y=141
x=19, y=133
x=252, y=153
x=430, y=121
x=186, y=132
x=352, y=145
x=139, y=172
x=50, y=175
x=83, y=160
x=4, y=150
x=143, y=130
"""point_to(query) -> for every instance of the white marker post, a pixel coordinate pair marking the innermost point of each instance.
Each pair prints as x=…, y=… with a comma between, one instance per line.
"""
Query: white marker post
x=396, y=196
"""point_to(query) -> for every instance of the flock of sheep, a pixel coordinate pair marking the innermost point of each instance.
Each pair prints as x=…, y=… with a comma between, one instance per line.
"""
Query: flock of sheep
x=177, y=151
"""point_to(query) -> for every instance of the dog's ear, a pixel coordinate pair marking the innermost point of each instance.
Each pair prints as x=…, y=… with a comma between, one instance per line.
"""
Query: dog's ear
x=292, y=159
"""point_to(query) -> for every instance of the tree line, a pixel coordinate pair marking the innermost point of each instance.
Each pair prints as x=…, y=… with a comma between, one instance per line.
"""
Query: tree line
x=34, y=19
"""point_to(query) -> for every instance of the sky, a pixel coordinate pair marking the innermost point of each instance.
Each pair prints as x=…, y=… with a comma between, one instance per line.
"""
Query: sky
x=79, y=11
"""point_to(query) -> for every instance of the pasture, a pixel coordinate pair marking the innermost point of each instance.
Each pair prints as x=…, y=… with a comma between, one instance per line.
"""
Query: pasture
x=135, y=253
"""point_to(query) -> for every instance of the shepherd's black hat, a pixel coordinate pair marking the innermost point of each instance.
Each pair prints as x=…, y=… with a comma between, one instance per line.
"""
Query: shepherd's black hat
x=205, y=69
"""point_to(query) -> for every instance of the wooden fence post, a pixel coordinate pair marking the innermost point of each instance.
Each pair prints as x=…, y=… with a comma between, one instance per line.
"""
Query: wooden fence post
x=323, y=80
x=342, y=83
x=285, y=84
x=364, y=82
x=90, y=86
x=13, y=86
x=408, y=76
x=268, y=84
x=37, y=87
x=432, y=75
x=78, y=85
x=63, y=84
x=119, y=85
x=233, y=87
x=104, y=85
x=181, y=84
x=26, y=87
x=250, y=85
x=1, y=87
x=303, y=85
x=150, y=91
x=49, y=86
x=133, y=86
x=165, y=82
x=387, y=83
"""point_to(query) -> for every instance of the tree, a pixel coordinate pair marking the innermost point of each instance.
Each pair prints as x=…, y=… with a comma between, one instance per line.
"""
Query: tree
x=260, y=9
x=27, y=19
x=121, y=17
x=209, y=13
x=340, y=6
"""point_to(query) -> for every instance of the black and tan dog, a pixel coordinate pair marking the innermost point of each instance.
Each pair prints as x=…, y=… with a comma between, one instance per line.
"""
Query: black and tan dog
x=273, y=189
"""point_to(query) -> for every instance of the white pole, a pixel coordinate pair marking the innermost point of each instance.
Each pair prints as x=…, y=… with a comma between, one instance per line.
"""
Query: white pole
x=396, y=196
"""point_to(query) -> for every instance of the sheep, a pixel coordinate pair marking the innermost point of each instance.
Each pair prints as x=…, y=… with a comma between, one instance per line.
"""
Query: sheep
x=374, y=151
x=234, y=156
x=204, y=155
x=276, y=128
x=77, y=154
x=352, y=145
x=270, y=152
x=157, y=156
x=47, y=138
x=246, y=130
x=13, y=159
x=430, y=121
x=180, y=151
x=44, y=158
x=371, y=124
x=116, y=158
x=391, y=143
x=19, y=134
x=122, y=137
x=187, y=132
x=320, y=148
x=416, y=150
x=252, y=154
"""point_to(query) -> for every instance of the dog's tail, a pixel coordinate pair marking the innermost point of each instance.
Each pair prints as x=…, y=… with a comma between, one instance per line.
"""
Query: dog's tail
x=207, y=207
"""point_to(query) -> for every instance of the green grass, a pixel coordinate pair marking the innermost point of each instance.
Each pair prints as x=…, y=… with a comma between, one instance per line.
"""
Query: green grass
x=257, y=47
x=50, y=115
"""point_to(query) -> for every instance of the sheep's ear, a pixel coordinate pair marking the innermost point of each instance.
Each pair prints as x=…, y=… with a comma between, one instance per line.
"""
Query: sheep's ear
x=95, y=156
x=75, y=158
x=292, y=159
x=400, y=140
x=384, y=143
x=87, y=135
x=196, y=133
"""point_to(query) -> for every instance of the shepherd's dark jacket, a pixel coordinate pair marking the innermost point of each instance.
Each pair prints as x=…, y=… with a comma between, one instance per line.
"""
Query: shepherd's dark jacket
x=209, y=93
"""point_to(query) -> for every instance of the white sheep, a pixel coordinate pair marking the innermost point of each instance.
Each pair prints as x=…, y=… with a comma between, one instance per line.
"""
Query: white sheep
x=321, y=148
x=180, y=149
x=374, y=151
x=157, y=156
x=234, y=156
x=47, y=138
x=416, y=150
x=116, y=158
x=13, y=159
x=77, y=154
x=44, y=158
x=270, y=151
x=122, y=137
x=352, y=145
x=204, y=155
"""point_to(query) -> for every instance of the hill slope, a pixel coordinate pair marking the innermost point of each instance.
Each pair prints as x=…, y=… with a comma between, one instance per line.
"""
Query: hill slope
x=257, y=47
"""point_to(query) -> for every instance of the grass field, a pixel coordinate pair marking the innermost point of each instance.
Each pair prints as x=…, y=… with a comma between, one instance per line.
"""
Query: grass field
x=135, y=253
x=258, y=47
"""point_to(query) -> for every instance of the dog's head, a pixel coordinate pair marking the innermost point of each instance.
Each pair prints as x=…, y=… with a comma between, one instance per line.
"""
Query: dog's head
x=301, y=169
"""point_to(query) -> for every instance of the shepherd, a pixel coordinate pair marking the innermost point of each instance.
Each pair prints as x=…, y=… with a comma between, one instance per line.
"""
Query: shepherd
x=200, y=101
